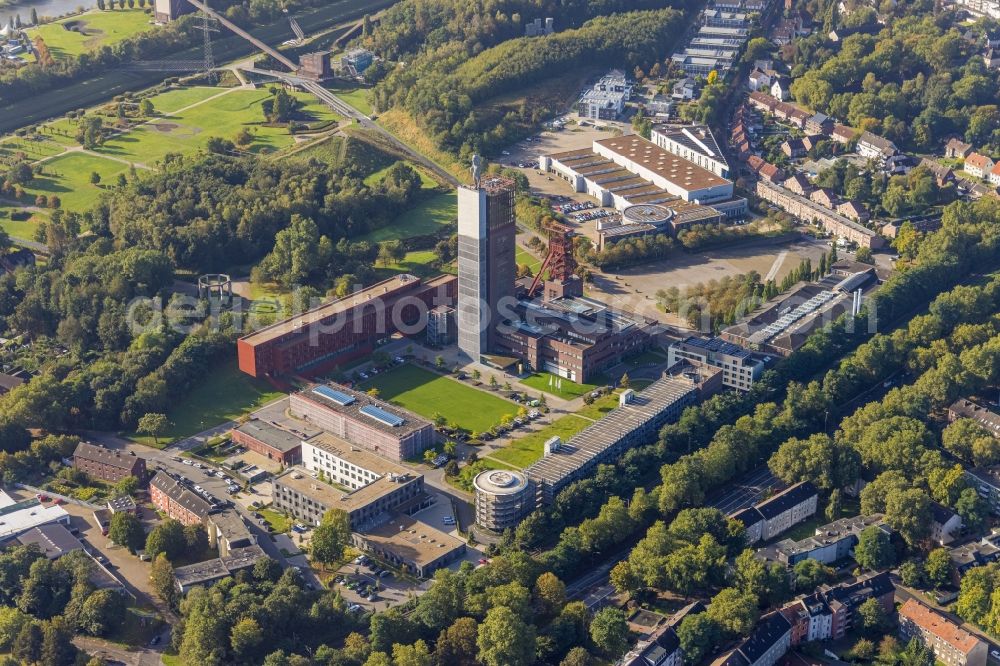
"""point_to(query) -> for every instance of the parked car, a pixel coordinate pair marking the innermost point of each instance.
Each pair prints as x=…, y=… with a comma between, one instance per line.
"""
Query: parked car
x=199, y=489
x=448, y=520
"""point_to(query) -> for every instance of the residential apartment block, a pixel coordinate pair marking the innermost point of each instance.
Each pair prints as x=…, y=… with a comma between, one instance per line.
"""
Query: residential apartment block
x=831, y=543
x=951, y=644
x=173, y=497
x=828, y=613
x=771, y=517
x=739, y=368
x=769, y=641
x=109, y=465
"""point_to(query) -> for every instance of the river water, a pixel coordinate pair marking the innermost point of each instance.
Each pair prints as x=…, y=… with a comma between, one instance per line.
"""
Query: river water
x=50, y=8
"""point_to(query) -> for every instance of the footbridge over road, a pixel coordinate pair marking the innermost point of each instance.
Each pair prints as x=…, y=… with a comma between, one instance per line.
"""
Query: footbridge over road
x=274, y=53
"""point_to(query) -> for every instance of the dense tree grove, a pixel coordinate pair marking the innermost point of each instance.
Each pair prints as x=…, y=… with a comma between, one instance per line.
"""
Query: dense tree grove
x=916, y=81
x=106, y=295
x=460, y=56
x=208, y=212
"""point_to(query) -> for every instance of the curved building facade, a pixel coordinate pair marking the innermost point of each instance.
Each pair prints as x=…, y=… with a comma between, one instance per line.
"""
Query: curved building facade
x=503, y=497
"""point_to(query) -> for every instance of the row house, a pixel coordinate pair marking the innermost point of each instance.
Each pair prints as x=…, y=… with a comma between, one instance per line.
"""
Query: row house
x=951, y=644
x=828, y=613
x=978, y=165
x=771, y=517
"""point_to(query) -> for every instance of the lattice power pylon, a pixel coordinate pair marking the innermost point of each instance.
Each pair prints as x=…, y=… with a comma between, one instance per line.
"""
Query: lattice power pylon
x=207, y=26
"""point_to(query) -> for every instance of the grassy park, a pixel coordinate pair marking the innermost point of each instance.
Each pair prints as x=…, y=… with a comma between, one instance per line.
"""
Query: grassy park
x=558, y=386
x=525, y=258
x=91, y=30
x=428, y=393
x=189, y=130
x=428, y=217
x=224, y=395
x=526, y=450
x=68, y=177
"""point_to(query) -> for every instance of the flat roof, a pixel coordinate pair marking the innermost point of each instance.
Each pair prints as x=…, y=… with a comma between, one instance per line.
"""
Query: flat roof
x=364, y=459
x=301, y=481
x=200, y=572
x=273, y=436
x=231, y=524
x=412, y=540
x=385, y=289
x=18, y=517
x=353, y=404
x=594, y=440
x=675, y=169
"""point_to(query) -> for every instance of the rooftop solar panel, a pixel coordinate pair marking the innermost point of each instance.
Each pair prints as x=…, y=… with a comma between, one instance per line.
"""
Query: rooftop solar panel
x=381, y=415
x=338, y=397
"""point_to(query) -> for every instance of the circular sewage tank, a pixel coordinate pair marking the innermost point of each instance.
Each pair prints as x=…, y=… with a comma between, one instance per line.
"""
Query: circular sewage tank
x=503, y=497
x=647, y=214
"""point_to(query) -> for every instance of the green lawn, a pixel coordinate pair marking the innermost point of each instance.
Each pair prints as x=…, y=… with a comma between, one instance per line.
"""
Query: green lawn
x=24, y=229
x=417, y=262
x=526, y=450
x=428, y=393
x=225, y=394
x=427, y=217
x=356, y=97
x=426, y=182
x=34, y=149
x=176, y=99
x=91, y=30
x=222, y=116
x=600, y=407
x=276, y=522
x=68, y=177
x=524, y=257
x=566, y=390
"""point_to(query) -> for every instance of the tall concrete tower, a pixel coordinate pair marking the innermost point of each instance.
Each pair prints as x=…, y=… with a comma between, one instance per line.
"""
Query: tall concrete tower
x=486, y=265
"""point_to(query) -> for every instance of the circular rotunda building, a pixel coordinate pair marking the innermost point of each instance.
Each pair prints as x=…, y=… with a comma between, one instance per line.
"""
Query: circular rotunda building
x=503, y=497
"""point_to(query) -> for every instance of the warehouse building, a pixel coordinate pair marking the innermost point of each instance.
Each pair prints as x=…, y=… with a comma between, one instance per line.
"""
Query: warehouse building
x=16, y=518
x=363, y=421
x=344, y=329
x=628, y=170
x=636, y=420
x=696, y=144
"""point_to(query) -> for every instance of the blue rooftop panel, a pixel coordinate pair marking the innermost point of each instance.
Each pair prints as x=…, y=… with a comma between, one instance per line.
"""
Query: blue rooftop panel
x=338, y=397
x=381, y=415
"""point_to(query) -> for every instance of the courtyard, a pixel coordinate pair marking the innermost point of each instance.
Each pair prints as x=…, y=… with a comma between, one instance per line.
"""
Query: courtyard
x=429, y=394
